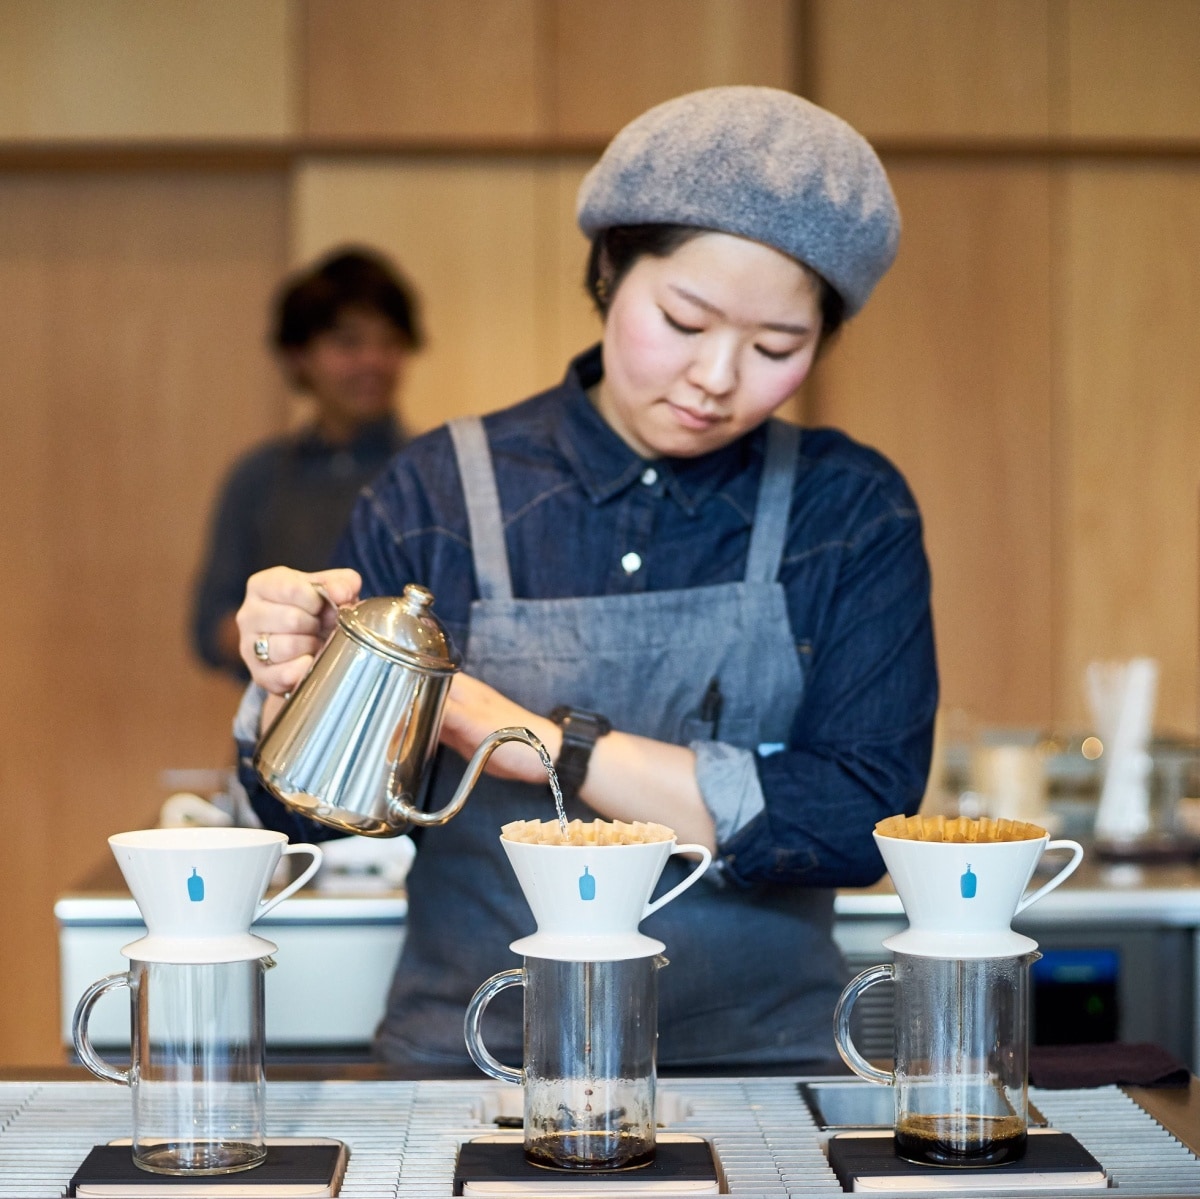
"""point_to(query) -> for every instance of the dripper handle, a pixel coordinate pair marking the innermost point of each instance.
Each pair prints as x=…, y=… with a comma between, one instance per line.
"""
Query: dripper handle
x=79, y=1029
x=1060, y=878
x=705, y=859
x=401, y=809
x=317, y=855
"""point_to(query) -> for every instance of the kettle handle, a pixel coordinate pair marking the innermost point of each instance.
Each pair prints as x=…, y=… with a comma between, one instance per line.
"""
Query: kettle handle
x=401, y=809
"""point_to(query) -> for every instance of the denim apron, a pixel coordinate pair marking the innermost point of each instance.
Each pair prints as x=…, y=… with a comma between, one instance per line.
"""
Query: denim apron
x=753, y=974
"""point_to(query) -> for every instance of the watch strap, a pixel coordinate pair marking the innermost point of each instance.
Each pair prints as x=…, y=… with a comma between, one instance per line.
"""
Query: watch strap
x=581, y=730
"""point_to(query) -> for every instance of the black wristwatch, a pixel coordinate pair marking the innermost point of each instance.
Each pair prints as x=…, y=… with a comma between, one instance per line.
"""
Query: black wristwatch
x=580, y=732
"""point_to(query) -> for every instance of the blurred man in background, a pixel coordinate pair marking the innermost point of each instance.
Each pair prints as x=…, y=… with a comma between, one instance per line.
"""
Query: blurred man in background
x=343, y=330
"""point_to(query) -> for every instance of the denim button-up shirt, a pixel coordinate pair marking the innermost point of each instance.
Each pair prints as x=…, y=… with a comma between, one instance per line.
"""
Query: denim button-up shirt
x=585, y=515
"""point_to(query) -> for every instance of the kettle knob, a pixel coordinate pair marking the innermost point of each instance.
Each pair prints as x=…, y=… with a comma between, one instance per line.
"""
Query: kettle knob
x=417, y=599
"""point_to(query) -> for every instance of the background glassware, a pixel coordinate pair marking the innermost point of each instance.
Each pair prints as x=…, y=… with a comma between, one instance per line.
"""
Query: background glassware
x=196, y=1072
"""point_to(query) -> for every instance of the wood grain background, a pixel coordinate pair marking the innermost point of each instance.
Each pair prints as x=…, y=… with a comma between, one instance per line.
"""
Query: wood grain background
x=1031, y=363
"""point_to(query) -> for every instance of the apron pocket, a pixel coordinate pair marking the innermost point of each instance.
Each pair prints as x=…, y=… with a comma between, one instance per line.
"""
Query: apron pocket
x=733, y=730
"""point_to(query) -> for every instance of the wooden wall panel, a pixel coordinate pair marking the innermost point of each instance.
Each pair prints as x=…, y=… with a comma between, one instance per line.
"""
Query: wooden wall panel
x=132, y=370
x=932, y=68
x=142, y=69
x=465, y=231
x=424, y=69
x=568, y=322
x=614, y=58
x=1131, y=414
x=947, y=371
x=1132, y=68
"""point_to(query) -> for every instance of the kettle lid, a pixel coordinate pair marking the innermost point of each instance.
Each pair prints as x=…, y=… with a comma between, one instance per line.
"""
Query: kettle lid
x=402, y=628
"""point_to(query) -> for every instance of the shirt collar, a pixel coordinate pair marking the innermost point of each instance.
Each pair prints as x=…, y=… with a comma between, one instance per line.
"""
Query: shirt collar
x=606, y=466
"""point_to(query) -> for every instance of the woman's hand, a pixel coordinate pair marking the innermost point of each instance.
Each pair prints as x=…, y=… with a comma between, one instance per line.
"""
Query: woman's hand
x=284, y=613
x=473, y=710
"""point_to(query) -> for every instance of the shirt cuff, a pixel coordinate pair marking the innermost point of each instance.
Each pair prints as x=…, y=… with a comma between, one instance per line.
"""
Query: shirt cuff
x=249, y=715
x=729, y=785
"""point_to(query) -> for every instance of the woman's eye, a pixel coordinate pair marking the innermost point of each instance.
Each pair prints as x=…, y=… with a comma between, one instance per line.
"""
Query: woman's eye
x=775, y=355
x=678, y=326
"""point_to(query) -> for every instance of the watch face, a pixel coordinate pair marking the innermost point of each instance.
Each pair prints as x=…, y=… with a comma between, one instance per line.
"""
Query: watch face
x=580, y=731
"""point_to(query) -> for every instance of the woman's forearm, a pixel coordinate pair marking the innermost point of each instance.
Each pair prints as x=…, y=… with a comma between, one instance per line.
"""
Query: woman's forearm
x=635, y=778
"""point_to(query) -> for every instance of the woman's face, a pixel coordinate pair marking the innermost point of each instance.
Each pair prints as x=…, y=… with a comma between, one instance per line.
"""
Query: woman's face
x=352, y=369
x=702, y=346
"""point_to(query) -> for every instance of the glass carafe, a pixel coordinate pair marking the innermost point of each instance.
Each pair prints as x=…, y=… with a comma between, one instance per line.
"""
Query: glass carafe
x=196, y=1063
x=591, y=1032
x=962, y=1055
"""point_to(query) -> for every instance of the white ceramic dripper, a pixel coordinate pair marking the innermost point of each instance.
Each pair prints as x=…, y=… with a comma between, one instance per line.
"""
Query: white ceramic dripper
x=588, y=900
x=960, y=897
x=200, y=889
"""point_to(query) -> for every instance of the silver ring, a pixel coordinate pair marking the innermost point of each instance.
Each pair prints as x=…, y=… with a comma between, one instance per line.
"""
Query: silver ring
x=262, y=648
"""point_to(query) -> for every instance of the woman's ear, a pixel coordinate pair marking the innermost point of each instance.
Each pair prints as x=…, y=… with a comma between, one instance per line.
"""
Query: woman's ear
x=605, y=273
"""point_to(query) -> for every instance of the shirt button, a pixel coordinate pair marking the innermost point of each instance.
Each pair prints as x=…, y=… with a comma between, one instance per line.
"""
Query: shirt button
x=632, y=563
x=649, y=476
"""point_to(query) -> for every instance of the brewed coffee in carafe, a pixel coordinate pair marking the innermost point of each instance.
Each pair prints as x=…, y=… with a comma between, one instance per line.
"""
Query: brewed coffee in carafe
x=591, y=990
x=961, y=986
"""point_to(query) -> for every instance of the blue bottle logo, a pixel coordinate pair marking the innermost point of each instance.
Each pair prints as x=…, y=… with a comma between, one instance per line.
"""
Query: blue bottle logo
x=587, y=885
x=195, y=887
x=967, y=883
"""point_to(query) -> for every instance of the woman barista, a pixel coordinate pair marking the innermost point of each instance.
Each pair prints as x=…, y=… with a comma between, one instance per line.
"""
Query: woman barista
x=713, y=620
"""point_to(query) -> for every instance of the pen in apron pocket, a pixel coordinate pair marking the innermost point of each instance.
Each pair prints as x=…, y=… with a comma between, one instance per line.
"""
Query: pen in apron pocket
x=710, y=706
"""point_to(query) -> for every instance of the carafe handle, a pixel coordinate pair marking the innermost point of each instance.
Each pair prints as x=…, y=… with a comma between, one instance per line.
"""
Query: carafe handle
x=471, y=1026
x=79, y=1029
x=1061, y=877
x=316, y=853
x=705, y=859
x=841, y=1024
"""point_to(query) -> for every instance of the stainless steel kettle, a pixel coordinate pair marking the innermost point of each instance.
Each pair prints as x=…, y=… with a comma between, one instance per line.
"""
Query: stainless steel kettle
x=352, y=745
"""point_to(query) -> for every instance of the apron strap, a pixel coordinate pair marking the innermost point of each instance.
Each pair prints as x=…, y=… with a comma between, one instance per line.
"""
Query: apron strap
x=769, y=534
x=483, y=507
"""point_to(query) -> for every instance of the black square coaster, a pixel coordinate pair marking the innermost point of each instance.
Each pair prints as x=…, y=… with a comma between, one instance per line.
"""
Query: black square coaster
x=1052, y=1160
x=294, y=1168
x=502, y=1160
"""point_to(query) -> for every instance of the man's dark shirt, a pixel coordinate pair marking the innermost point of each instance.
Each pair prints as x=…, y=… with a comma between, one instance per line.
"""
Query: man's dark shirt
x=284, y=503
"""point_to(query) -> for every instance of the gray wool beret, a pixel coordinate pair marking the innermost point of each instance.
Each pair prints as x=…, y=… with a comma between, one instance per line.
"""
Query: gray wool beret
x=760, y=163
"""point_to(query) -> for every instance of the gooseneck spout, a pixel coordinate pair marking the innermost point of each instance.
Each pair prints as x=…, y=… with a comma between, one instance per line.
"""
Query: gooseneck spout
x=400, y=808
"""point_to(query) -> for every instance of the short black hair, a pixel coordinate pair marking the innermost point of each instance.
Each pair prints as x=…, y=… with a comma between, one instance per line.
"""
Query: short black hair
x=615, y=250
x=311, y=301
